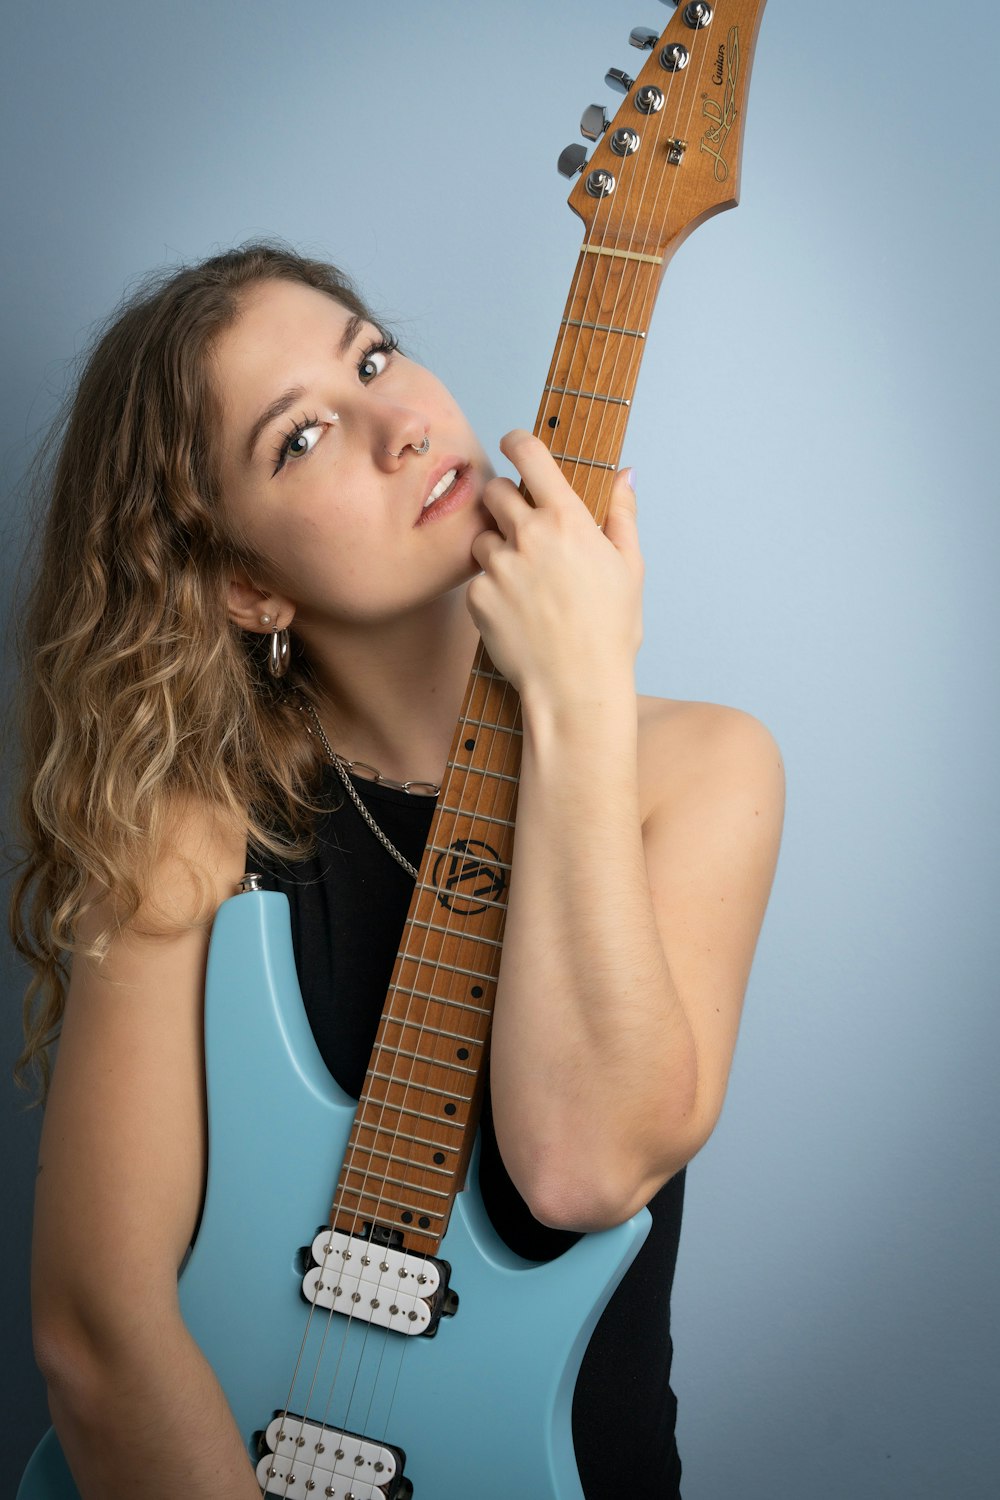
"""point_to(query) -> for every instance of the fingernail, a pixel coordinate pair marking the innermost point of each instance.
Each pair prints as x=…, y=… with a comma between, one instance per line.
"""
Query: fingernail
x=630, y=479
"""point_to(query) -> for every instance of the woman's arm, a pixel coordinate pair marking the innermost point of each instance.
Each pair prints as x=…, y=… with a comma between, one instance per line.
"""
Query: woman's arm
x=137, y=1409
x=644, y=853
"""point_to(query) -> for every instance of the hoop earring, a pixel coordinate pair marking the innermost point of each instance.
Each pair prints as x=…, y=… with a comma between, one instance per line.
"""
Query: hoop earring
x=279, y=654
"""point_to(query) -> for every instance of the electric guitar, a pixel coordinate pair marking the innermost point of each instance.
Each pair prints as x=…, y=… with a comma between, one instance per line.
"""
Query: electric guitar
x=403, y=1349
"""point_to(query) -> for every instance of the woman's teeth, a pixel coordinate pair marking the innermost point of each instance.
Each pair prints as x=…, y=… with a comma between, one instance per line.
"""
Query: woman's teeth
x=444, y=483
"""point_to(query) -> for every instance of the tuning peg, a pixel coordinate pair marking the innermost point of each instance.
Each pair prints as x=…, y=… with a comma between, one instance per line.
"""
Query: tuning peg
x=572, y=160
x=618, y=79
x=643, y=37
x=594, y=122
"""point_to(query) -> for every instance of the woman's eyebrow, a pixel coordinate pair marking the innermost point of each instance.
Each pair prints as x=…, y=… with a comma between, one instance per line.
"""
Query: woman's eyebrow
x=288, y=398
x=276, y=409
x=354, y=325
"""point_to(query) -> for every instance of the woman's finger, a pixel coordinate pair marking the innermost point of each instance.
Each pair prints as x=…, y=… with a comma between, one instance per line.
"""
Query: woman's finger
x=545, y=481
x=505, y=503
x=620, y=526
x=485, y=545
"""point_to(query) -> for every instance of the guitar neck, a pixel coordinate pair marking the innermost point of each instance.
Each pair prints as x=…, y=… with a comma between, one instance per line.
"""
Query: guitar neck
x=412, y=1135
x=673, y=161
x=588, y=393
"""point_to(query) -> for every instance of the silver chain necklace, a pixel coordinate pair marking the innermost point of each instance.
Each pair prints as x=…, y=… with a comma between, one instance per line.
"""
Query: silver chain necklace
x=344, y=767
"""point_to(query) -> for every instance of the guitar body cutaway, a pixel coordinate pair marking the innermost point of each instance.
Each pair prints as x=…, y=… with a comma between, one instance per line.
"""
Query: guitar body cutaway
x=481, y=1408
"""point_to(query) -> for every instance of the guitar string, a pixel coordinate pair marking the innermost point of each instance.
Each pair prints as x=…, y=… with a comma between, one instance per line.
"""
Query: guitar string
x=413, y=1094
x=504, y=696
x=332, y=1312
x=448, y=928
x=482, y=794
x=407, y=1023
x=357, y=1215
x=644, y=285
x=561, y=404
x=410, y=1091
x=394, y=1134
x=497, y=717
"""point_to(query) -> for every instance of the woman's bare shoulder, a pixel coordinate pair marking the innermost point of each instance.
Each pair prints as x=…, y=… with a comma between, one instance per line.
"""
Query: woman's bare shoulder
x=124, y=1140
x=191, y=865
x=686, y=747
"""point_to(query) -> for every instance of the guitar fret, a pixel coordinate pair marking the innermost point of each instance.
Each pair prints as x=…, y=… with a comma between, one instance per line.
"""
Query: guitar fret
x=649, y=260
x=635, y=333
x=494, y=864
x=491, y=675
x=408, y=1083
x=485, y=724
x=477, y=816
x=402, y=1182
x=450, y=931
x=457, y=969
x=381, y=1202
x=592, y=463
x=370, y=1151
x=435, y=1062
x=484, y=901
x=453, y=765
x=454, y=1036
x=404, y=1109
x=480, y=1010
x=562, y=390
x=401, y=1135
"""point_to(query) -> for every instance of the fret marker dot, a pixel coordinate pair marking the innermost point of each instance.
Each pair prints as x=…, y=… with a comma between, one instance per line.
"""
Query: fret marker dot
x=406, y=1216
x=449, y=1109
x=470, y=744
x=477, y=992
x=553, y=423
x=439, y=1157
x=462, y=1052
x=424, y=1222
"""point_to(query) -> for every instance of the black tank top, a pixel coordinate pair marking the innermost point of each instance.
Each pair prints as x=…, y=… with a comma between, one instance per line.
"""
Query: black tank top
x=349, y=901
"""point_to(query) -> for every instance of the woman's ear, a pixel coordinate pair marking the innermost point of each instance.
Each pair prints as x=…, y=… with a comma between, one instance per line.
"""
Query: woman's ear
x=251, y=608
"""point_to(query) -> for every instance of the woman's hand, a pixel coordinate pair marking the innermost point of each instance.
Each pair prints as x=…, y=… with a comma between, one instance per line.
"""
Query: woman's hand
x=559, y=602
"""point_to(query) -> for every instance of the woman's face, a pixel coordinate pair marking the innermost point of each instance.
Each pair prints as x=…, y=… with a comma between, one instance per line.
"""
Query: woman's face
x=318, y=473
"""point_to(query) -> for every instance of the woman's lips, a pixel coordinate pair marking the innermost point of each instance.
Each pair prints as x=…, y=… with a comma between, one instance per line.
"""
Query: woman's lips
x=458, y=495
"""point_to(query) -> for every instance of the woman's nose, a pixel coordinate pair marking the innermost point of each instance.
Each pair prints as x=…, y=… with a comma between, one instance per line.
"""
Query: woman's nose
x=403, y=433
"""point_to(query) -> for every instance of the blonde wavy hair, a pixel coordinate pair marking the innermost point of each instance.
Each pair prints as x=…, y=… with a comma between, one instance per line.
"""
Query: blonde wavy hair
x=136, y=687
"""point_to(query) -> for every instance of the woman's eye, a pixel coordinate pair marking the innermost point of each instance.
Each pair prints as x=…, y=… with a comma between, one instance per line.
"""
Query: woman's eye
x=302, y=441
x=298, y=443
x=376, y=357
x=373, y=363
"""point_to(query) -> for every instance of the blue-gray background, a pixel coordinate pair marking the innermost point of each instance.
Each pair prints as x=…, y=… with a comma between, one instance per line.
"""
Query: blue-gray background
x=814, y=438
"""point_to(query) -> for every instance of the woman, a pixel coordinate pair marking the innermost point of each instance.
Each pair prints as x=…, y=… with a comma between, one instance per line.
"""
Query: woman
x=249, y=455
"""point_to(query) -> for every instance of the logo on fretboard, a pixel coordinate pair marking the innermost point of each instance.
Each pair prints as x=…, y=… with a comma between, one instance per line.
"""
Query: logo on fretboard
x=469, y=877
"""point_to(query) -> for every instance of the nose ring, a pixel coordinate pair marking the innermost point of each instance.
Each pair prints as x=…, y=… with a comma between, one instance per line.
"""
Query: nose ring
x=424, y=446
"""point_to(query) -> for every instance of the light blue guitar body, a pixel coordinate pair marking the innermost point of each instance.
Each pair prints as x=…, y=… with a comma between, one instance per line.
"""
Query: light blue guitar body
x=482, y=1408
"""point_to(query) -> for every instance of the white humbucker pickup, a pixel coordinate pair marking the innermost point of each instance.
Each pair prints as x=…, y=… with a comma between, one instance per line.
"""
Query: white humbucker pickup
x=361, y=1280
x=307, y=1461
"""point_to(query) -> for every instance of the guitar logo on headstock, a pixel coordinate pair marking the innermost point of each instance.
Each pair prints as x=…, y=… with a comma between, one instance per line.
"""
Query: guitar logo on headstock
x=723, y=116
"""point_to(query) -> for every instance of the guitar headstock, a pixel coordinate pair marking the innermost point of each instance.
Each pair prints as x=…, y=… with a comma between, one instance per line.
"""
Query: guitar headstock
x=670, y=157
